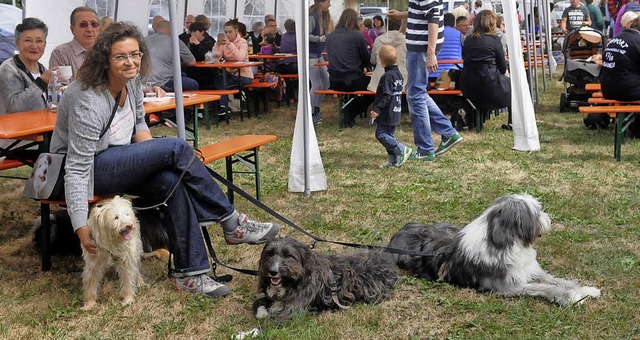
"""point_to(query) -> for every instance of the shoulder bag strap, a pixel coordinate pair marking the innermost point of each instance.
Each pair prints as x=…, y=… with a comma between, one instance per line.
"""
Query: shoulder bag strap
x=113, y=113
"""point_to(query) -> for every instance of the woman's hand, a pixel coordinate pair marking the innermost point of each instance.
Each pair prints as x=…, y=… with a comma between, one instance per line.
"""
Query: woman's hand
x=160, y=93
x=193, y=40
x=86, y=240
x=46, y=76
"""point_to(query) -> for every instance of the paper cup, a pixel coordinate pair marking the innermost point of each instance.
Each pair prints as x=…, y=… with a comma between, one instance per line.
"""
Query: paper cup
x=65, y=72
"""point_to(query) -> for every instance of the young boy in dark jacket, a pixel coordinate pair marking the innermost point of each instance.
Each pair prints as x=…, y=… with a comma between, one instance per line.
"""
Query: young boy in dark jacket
x=387, y=107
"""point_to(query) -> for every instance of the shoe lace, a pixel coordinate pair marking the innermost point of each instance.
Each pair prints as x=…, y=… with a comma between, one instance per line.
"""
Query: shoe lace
x=253, y=226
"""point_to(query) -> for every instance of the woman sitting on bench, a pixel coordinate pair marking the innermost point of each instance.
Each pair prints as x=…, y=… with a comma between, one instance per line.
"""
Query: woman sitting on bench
x=233, y=47
x=483, y=80
x=348, y=56
x=126, y=159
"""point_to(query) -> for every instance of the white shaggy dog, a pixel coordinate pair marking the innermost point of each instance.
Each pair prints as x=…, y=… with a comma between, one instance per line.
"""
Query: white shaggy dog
x=116, y=232
x=39, y=174
x=494, y=253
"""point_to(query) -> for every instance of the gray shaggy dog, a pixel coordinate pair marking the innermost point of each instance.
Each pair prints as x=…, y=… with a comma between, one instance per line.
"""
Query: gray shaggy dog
x=292, y=279
x=494, y=253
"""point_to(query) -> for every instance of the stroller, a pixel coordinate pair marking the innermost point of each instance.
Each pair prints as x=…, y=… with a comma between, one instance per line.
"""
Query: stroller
x=579, y=48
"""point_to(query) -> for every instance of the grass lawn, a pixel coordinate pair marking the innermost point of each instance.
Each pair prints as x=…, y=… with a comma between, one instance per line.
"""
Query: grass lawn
x=592, y=199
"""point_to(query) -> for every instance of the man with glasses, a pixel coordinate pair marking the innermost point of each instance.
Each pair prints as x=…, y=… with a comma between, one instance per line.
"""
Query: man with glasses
x=85, y=27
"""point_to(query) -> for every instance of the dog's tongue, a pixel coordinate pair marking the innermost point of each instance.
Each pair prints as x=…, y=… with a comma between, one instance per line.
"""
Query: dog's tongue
x=126, y=234
x=275, y=281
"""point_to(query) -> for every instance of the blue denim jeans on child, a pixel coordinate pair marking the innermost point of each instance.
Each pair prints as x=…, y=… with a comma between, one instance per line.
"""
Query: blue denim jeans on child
x=385, y=135
x=425, y=113
x=151, y=169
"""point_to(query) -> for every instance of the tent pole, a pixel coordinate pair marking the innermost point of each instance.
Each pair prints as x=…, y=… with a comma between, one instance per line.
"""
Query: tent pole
x=177, y=75
x=115, y=11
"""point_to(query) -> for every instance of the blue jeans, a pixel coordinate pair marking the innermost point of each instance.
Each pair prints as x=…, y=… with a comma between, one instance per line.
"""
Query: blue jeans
x=151, y=169
x=425, y=113
x=188, y=84
x=385, y=135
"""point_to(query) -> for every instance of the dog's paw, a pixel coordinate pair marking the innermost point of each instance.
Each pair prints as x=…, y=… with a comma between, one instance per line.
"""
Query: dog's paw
x=591, y=291
x=89, y=305
x=127, y=301
x=262, y=312
x=579, y=295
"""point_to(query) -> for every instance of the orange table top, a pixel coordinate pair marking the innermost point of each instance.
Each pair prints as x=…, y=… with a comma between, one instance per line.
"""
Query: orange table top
x=22, y=125
x=30, y=124
x=229, y=64
x=170, y=103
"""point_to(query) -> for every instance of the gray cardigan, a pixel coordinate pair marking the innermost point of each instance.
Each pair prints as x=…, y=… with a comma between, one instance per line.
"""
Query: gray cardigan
x=82, y=115
x=17, y=91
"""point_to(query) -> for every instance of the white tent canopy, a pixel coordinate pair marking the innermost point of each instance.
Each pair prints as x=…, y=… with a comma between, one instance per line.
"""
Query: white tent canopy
x=305, y=153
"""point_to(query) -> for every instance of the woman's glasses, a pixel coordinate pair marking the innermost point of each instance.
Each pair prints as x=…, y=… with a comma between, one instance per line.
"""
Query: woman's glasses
x=85, y=24
x=135, y=56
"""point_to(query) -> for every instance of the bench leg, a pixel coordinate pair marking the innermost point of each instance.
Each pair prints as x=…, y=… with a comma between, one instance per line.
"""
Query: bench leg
x=45, y=235
x=341, y=120
x=256, y=164
x=229, y=167
x=195, y=126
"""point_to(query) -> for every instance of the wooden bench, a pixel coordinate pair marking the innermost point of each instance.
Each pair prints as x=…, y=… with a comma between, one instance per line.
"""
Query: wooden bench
x=290, y=79
x=260, y=87
x=623, y=112
x=6, y=164
x=226, y=114
x=342, y=104
x=45, y=232
x=244, y=149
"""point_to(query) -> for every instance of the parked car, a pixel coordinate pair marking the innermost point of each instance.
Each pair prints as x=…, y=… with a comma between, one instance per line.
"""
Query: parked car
x=10, y=16
x=370, y=12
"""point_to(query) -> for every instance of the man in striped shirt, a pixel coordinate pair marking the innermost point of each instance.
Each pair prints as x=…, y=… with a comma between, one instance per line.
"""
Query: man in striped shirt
x=424, y=39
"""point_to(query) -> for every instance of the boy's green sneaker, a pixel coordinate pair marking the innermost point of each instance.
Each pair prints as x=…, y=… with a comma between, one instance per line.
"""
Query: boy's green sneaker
x=404, y=156
x=426, y=157
x=448, y=143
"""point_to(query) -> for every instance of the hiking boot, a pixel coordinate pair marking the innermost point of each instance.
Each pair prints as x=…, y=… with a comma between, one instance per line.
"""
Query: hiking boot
x=448, y=143
x=426, y=157
x=252, y=232
x=387, y=165
x=404, y=156
x=202, y=284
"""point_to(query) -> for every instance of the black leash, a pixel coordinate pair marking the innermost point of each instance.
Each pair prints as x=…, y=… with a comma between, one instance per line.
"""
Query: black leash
x=273, y=213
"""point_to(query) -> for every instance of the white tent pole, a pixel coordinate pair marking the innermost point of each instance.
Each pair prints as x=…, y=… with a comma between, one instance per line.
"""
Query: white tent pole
x=115, y=11
x=177, y=74
x=304, y=13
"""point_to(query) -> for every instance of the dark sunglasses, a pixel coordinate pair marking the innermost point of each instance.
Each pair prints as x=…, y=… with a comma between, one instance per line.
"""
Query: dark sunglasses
x=85, y=24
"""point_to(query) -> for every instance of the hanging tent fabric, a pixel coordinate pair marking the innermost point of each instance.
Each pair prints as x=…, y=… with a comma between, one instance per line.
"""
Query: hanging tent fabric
x=525, y=130
x=306, y=171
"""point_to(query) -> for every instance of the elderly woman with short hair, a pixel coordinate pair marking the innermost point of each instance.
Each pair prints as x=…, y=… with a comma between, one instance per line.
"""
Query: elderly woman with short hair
x=127, y=159
x=23, y=79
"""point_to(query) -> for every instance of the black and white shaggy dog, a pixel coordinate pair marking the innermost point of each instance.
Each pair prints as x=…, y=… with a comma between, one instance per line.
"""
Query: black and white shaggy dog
x=494, y=253
x=293, y=278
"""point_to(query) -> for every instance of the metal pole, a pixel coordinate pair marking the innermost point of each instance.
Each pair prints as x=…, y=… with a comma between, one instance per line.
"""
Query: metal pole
x=306, y=105
x=527, y=41
x=532, y=19
x=115, y=11
x=177, y=72
x=543, y=38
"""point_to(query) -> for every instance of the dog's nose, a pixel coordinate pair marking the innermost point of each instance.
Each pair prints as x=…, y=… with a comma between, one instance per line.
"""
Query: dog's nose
x=273, y=273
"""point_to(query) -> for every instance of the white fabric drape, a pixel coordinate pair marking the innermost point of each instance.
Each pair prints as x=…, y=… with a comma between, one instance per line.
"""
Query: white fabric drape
x=306, y=171
x=525, y=130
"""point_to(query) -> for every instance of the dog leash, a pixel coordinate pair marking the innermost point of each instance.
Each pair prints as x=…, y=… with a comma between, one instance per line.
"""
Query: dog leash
x=275, y=214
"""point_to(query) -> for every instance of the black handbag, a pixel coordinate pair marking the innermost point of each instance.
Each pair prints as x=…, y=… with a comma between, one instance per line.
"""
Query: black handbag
x=47, y=178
